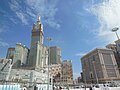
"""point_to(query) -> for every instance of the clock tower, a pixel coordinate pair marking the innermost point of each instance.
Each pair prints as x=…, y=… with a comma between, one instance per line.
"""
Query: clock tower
x=37, y=33
x=38, y=52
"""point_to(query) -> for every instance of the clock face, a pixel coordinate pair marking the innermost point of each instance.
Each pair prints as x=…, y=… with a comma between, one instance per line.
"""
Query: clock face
x=37, y=27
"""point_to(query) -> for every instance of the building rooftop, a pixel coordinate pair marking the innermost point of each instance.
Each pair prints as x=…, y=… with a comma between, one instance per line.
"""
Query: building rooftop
x=96, y=49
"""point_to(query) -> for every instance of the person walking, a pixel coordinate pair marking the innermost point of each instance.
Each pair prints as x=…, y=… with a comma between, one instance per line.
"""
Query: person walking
x=93, y=88
x=90, y=88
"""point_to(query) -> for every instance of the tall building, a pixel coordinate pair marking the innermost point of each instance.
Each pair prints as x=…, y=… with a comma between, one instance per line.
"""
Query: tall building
x=5, y=69
x=10, y=53
x=20, y=55
x=112, y=46
x=31, y=65
x=55, y=72
x=118, y=45
x=25, y=75
x=55, y=55
x=99, y=66
x=38, y=55
x=77, y=81
x=67, y=72
x=116, y=51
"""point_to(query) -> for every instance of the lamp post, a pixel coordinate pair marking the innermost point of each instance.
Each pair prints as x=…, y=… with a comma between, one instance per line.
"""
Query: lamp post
x=49, y=39
x=115, y=30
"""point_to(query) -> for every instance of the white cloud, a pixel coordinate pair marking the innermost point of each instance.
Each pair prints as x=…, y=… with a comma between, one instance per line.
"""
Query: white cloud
x=22, y=17
x=13, y=20
x=3, y=44
x=46, y=9
x=108, y=14
x=30, y=9
x=16, y=7
x=81, y=54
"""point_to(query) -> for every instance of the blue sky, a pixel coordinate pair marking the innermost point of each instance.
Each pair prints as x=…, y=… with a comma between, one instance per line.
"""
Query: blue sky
x=76, y=26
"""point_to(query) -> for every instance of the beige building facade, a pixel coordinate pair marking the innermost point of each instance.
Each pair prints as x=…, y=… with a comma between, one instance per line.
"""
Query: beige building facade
x=99, y=66
x=20, y=55
x=118, y=45
x=67, y=72
x=55, y=69
x=10, y=53
x=115, y=49
x=56, y=72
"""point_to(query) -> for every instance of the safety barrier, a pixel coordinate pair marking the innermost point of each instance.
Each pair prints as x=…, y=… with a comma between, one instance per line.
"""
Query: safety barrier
x=10, y=87
x=44, y=87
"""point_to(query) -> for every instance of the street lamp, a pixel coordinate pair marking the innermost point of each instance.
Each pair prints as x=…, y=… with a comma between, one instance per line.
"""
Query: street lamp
x=49, y=39
x=115, y=30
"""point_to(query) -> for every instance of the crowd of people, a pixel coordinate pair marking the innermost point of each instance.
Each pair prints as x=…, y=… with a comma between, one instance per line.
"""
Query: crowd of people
x=102, y=87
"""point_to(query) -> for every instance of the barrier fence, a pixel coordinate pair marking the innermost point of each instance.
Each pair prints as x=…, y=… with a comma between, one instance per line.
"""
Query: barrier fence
x=10, y=87
x=17, y=87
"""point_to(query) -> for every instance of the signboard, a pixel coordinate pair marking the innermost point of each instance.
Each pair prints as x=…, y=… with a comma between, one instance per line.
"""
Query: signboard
x=44, y=87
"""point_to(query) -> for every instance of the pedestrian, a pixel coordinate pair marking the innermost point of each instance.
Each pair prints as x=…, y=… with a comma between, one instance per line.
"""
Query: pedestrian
x=35, y=88
x=107, y=87
x=104, y=87
x=90, y=88
x=60, y=87
x=93, y=88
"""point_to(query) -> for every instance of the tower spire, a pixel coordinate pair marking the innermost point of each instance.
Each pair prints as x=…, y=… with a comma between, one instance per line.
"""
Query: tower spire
x=39, y=18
